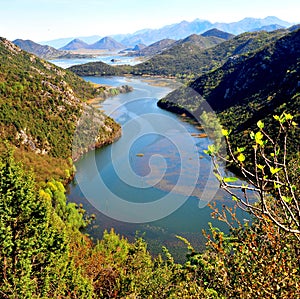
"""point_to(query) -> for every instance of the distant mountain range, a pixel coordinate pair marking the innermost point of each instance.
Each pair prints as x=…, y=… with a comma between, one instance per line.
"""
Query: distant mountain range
x=75, y=44
x=106, y=43
x=208, y=39
x=182, y=30
x=45, y=52
x=190, y=57
x=61, y=42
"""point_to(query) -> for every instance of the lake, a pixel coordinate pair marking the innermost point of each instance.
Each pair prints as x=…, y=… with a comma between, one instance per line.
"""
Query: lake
x=108, y=58
x=155, y=180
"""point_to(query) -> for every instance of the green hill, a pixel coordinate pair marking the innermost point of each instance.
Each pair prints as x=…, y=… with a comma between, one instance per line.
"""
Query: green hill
x=40, y=105
x=191, y=58
x=247, y=87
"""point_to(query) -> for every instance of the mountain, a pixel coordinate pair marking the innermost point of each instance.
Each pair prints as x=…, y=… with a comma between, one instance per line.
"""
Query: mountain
x=183, y=29
x=269, y=28
x=175, y=31
x=45, y=52
x=201, y=41
x=106, y=43
x=155, y=48
x=40, y=107
x=61, y=42
x=180, y=31
x=218, y=33
x=248, y=87
x=75, y=44
x=139, y=47
x=250, y=24
x=186, y=59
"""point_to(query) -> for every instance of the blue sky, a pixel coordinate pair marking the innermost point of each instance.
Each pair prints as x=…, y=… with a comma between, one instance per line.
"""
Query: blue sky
x=41, y=20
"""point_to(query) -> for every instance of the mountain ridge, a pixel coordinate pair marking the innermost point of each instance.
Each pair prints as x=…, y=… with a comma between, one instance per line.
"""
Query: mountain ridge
x=75, y=44
x=180, y=30
x=247, y=88
x=186, y=59
x=46, y=52
x=40, y=108
x=106, y=43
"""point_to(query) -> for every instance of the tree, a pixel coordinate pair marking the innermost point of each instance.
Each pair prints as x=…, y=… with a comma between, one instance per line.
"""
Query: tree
x=34, y=253
x=269, y=177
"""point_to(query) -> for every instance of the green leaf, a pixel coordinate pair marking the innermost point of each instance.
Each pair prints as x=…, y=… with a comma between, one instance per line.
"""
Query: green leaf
x=288, y=116
x=260, y=124
x=258, y=138
x=277, y=186
x=274, y=170
x=241, y=157
x=230, y=179
x=261, y=167
x=234, y=198
x=287, y=199
x=211, y=150
x=225, y=132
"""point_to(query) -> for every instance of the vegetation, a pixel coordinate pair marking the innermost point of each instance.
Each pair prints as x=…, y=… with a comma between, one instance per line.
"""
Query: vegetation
x=46, y=52
x=187, y=58
x=43, y=252
x=44, y=255
x=269, y=171
x=240, y=102
x=40, y=105
x=35, y=257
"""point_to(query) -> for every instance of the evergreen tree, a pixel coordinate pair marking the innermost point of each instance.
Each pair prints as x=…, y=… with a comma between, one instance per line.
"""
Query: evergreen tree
x=34, y=252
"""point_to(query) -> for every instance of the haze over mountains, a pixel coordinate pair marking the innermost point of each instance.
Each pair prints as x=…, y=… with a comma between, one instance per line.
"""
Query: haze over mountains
x=46, y=52
x=192, y=56
x=106, y=43
x=42, y=51
x=181, y=30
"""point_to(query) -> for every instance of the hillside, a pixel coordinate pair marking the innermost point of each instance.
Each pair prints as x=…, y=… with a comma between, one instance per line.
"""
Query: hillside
x=154, y=48
x=75, y=44
x=247, y=87
x=200, y=41
x=186, y=59
x=183, y=29
x=218, y=33
x=40, y=105
x=190, y=59
x=45, y=52
x=106, y=43
x=203, y=42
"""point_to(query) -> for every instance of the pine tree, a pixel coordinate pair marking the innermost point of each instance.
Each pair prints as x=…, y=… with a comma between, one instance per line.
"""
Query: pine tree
x=34, y=252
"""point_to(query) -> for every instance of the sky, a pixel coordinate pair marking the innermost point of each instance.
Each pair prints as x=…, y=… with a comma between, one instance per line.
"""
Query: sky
x=42, y=20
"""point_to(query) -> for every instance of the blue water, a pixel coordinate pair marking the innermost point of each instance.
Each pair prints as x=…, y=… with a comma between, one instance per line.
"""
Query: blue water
x=112, y=59
x=155, y=179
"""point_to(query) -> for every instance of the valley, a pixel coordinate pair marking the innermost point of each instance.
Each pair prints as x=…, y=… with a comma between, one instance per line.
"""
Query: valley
x=162, y=163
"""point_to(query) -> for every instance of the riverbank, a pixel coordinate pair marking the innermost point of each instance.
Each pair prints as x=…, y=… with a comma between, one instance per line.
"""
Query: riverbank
x=104, y=175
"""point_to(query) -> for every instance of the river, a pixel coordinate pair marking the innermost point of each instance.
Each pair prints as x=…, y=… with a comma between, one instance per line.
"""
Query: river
x=155, y=180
